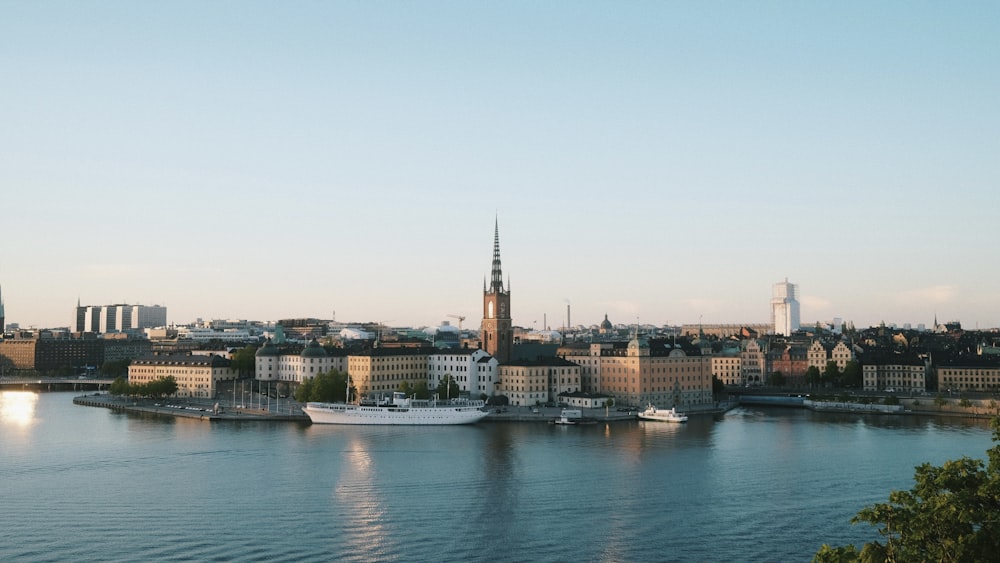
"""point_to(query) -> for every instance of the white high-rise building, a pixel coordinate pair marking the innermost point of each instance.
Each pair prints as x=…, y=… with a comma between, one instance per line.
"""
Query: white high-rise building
x=785, y=308
x=118, y=318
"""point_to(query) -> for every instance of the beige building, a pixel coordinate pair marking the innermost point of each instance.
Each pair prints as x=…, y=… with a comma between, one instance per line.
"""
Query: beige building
x=728, y=369
x=588, y=357
x=535, y=382
x=753, y=363
x=196, y=376
x=383, y=370
x=971, y=375
x=820, y=354
x=640, y=372
x=905, y=375
x=662, y=375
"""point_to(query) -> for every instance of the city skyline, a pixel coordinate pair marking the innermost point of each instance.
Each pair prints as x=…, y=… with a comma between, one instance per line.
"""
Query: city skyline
x=665, y=164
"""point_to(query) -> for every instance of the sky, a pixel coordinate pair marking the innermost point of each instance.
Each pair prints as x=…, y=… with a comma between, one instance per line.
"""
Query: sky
x=657, y=162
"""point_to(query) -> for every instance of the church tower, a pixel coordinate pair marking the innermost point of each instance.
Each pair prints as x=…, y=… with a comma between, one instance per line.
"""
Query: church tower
x=498, y=331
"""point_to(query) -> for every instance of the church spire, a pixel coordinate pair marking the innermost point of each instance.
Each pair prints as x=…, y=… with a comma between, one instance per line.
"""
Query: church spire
x=496, y=284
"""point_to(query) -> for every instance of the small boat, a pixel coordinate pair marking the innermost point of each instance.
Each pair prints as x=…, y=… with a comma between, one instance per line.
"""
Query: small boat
x=563, y=420
x=663, y=415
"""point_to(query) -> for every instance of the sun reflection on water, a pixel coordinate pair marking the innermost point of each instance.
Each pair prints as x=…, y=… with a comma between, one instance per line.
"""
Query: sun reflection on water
x=17, y=408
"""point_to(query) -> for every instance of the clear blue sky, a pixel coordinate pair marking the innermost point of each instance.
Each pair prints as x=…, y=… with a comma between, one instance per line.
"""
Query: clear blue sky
x=664, y=161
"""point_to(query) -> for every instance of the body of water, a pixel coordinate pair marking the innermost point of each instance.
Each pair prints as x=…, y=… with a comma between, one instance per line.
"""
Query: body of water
x=83, y=484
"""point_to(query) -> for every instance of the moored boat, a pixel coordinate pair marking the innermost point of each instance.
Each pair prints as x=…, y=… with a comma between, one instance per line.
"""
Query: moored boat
x=399, y=410
x=663, y=415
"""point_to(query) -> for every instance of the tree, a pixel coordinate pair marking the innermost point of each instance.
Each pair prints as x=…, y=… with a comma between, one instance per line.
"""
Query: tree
x=776, y=379
x=813, y=376
x=950, y=515
x=304, y=390
x=162, y=387
x=326, y=387
x=6, y=366
x=852, y=376
x=717, y=386
x=447, y=388
x=420, y=390
x=119, y=386
x=245, y=360
x=831, y=375
x=116, y=368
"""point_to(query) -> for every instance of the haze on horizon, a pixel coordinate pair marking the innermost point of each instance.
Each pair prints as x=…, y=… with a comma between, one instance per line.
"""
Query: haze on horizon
x=658, y=162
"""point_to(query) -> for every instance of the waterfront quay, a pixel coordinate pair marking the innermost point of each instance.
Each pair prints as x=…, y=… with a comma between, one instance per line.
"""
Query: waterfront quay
x=194, y=408
x=287, y=410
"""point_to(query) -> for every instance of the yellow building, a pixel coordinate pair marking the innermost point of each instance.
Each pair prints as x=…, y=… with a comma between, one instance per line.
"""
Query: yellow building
x=728, y=368
x=382, y=370
x=969, y=375
x=196, y=376
x=535, y=382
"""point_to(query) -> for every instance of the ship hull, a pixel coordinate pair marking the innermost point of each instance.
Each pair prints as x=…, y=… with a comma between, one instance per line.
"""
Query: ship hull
x=338, y=413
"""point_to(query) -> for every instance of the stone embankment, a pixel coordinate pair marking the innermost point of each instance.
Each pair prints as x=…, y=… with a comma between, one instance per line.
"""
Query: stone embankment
x=179, y=408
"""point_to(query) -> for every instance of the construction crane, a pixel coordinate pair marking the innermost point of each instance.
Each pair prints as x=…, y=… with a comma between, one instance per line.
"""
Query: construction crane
x=460, y=319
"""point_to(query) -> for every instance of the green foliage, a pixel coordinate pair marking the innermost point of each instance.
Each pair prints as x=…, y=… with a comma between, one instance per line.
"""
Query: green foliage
x=853, y=374
x=831, y=374
x=965, y=403
x=119, y=386
x=813, y=377
x=161, y=387
x=447, y=389
x=776, y=379
x=245, y=360
x=420, y=390
x=843, y=554
x=116, y=369
x=327, y=387
x=891, y=400
x=717, y=386
x=940, y=401
x=303, y=390
x=950, y=515
x=916, y=402
x=416, y=390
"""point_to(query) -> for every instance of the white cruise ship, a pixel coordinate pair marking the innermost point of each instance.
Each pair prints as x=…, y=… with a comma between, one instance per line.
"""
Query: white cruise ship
x=400, y=410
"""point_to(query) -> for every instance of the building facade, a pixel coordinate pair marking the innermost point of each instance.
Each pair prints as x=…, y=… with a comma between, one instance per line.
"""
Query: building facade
x=295, y=363
x=100, y=319
x=726, y=367
x=785, y=308
x=383, y=370
x=196, y=376
x=973, y=374
x=902, y=373
x=753, y=362
x=473, y=370
x=588, y=357
x=51, y=355
x=539, y=381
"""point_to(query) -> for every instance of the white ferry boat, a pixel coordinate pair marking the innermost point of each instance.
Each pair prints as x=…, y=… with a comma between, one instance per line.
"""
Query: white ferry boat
x=663, y=415
x=399, y=410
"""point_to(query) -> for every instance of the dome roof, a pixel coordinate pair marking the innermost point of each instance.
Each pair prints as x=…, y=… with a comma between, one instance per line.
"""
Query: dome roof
x=606, y=324
x=268, y=349
x=313, y=350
